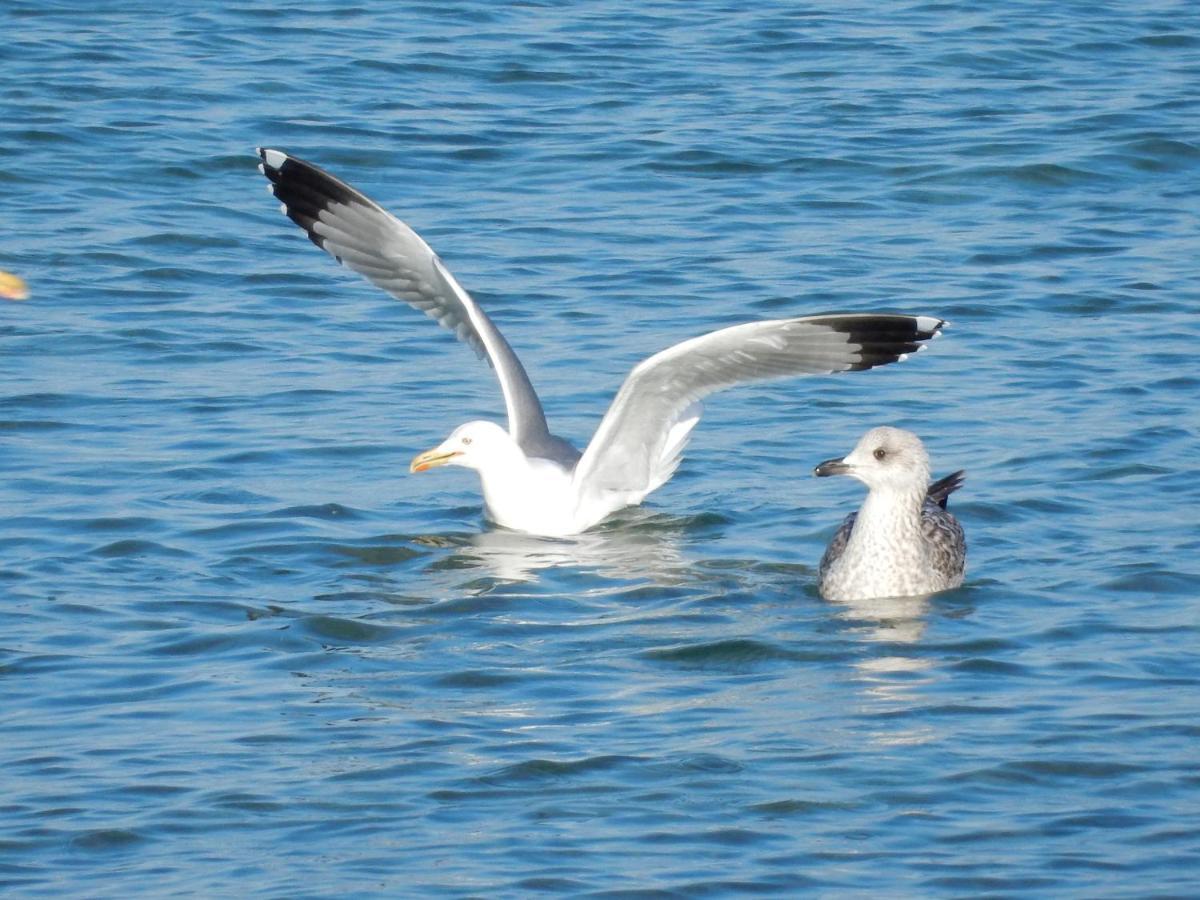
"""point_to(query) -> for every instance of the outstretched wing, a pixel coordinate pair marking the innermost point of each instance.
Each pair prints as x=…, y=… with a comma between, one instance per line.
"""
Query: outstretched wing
x=362, y=235
x=637, y=446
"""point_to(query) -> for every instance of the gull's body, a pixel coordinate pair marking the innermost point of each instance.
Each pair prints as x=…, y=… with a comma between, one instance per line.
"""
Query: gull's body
x=902, y=542
x=533, y=480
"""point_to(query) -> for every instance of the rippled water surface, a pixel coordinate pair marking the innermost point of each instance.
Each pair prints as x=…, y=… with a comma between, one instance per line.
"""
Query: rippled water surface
x=244, y=653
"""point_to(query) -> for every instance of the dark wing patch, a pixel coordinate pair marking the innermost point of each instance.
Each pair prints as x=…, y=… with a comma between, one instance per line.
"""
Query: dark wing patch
x=882, y=339
x=837, y=546
x=945, y=540
x=940, y=491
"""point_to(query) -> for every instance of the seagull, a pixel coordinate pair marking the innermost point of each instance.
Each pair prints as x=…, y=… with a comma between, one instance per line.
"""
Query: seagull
x=902, y=542
x=12, y=287
x=532, y=480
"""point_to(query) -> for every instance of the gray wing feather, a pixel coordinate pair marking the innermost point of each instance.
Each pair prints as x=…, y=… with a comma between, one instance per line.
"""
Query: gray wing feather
x=365, y=237
x=946, y=541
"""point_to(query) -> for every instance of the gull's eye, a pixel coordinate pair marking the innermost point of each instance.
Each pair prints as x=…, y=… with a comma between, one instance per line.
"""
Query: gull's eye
x=466, y=440
x=880, y=453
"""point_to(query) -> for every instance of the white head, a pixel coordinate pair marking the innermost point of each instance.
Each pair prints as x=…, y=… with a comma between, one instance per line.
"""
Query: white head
x=473, y=445
x=886, y=458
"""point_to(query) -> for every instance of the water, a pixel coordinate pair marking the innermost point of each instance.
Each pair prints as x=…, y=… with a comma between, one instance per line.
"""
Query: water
x=245, y=653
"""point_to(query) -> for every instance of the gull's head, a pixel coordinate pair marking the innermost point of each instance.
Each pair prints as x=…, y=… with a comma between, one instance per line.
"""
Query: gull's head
x=886, y=458
x=471, y=445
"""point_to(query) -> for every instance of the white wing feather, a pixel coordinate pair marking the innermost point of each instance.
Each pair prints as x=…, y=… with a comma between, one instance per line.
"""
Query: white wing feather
x=637, y=446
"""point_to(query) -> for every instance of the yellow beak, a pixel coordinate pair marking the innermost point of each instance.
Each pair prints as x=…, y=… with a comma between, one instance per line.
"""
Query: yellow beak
x=431, y=459
x=12, y=287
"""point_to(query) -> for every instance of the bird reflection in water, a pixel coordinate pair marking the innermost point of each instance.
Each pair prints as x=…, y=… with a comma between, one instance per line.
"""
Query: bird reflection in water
x=892, y=683
x=637, y=546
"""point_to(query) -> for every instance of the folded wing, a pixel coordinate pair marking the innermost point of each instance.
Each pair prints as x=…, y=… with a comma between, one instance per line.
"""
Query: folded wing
x=942, y=531
x=944, y=535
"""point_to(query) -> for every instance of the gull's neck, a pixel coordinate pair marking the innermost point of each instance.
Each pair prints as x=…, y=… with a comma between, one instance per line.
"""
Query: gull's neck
x=503, y=475
x=889, y=524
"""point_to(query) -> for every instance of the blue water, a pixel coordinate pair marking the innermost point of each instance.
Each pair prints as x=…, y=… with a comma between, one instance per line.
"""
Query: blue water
x=244, y=653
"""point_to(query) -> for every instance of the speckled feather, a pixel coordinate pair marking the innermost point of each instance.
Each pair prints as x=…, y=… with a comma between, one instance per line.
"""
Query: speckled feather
x=947, y=544
x=905, y=551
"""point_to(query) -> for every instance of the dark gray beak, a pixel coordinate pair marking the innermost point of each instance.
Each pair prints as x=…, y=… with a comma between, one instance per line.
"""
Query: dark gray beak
x=831, y=467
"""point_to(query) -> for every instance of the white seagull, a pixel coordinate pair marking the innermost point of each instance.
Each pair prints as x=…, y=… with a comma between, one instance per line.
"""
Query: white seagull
x=902, y=542
x=532, y=480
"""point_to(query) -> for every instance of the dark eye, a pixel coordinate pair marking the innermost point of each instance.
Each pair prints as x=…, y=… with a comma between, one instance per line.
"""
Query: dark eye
x=466, y=440
x=880, y=453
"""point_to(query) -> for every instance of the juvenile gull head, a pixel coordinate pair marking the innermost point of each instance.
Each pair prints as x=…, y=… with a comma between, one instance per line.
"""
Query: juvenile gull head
x=902, y=542
x=886, y=459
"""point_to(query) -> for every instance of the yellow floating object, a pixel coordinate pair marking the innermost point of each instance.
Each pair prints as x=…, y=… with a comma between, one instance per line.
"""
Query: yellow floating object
x=12, y=287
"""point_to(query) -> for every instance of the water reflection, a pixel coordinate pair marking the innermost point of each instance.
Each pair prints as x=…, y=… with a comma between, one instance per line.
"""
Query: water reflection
x=640, y=546
x=893, y=619
x=893, y=683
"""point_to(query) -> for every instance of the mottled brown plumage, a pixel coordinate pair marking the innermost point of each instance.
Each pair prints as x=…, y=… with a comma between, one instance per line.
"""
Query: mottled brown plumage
x=902, y=542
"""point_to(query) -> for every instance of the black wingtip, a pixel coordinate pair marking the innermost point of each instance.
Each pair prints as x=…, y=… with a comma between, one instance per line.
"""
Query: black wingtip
x=940, y=491
x=271, y=161
x=307, y=182
x=303, y=189
x=884, y=337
